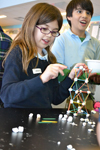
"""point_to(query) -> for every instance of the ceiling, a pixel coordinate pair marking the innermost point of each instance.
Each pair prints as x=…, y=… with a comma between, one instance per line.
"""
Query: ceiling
x=16, y=14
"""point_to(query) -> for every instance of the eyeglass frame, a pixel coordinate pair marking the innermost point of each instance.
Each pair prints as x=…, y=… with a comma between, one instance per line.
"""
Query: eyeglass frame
x=49, y=31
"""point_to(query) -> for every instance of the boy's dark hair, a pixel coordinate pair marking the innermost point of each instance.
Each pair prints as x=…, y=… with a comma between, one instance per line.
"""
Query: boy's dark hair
x=85, y=4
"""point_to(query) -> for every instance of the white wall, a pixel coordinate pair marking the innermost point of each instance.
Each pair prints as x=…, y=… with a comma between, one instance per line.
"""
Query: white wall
x=8, y=3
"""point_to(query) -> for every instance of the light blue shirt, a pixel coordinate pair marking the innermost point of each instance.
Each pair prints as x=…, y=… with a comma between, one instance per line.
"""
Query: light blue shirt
x=69, y=49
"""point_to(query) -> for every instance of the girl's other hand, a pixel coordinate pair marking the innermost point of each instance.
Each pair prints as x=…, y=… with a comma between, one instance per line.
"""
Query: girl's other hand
x=75, y=70
x=52, y=71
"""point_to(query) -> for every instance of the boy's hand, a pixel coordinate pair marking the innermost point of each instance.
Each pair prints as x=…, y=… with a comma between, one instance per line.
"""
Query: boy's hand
x=75, y=70
x=52, y=71
x=94, y=77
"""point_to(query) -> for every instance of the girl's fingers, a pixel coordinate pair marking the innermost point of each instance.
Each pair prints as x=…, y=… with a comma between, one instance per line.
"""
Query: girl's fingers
x=52, y=72
x=61, y=72
x=76, y=69
x=61, y=66
x=58, y=68
x=81, y=64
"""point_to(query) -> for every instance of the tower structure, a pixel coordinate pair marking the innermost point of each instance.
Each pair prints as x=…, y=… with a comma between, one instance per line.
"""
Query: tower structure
x=79, y=105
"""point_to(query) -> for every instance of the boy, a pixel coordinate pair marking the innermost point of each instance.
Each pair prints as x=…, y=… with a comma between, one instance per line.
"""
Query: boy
x=5, y=42
x=76, y=44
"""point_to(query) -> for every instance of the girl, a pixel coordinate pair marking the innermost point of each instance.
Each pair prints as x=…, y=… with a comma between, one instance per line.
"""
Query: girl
x=30, y=76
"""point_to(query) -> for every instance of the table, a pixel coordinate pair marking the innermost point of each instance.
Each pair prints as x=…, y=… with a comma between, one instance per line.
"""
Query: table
x=44, y=136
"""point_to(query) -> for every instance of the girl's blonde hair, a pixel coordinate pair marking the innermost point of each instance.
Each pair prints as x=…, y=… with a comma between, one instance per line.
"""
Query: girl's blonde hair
x=40, y=13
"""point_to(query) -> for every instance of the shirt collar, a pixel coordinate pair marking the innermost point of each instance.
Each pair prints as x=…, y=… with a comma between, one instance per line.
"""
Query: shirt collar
x=88, y=37
x=45, y=57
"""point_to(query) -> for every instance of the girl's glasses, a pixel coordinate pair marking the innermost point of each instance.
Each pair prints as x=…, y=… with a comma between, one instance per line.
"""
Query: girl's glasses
x=47, y=31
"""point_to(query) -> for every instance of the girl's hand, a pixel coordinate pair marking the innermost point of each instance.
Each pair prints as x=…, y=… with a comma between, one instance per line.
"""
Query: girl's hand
x=52, y=71
x=76, y=69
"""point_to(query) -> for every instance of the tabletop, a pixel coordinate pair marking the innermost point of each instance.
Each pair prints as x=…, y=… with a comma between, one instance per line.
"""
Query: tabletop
x=46, y=131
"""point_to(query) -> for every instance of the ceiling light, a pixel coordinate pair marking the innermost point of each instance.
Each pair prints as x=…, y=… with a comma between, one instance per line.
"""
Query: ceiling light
x=3, y=16
x=63, y=13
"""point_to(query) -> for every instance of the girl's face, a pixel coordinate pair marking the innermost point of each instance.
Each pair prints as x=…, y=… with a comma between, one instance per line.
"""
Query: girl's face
x=43, y=40
x=80, y=20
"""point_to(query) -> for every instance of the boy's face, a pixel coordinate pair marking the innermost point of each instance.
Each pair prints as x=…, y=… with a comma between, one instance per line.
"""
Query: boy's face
x=80, y=20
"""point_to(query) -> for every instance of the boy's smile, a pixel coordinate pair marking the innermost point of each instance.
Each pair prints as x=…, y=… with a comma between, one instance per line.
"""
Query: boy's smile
x=80, y=19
